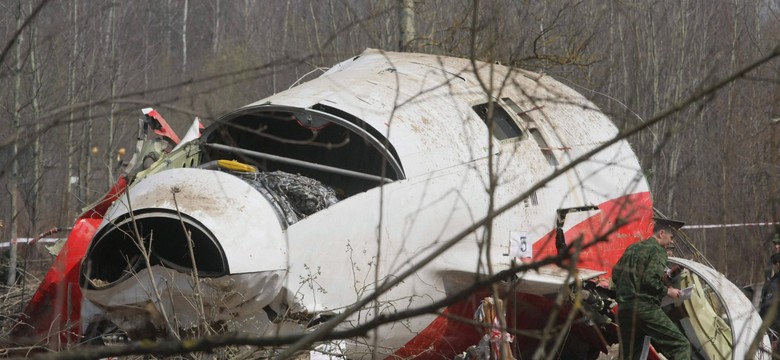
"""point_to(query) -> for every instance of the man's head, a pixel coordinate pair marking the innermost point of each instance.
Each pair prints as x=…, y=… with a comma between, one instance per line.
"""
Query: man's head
x=669, y=249
x=776, y=243
x=775, y=259
x=664, y=229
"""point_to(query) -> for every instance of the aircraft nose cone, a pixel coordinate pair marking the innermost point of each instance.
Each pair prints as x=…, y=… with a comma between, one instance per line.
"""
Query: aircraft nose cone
x=174, y=217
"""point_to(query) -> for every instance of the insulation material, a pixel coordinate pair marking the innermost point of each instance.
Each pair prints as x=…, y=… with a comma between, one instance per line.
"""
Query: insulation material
x=297, y=196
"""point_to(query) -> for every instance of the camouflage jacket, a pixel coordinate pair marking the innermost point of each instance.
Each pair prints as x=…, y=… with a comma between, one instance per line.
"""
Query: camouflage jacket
x=638, y=275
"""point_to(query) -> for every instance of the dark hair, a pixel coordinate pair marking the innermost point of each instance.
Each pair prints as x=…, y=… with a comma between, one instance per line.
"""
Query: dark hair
x=666, y=224
x=775, y=258
x=661, y=226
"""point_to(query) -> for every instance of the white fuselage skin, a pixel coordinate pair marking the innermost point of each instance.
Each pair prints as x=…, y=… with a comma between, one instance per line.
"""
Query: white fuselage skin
x=423, y=105
x=426, y=114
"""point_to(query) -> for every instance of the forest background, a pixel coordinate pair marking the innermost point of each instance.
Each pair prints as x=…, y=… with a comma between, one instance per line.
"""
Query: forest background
x=76, y=74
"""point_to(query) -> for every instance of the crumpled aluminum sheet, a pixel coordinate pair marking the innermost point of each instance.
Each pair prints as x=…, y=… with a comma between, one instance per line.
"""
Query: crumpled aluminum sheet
x=297, y=196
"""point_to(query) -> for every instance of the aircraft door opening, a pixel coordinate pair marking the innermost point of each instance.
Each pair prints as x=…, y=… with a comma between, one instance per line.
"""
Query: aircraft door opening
x=569, y=218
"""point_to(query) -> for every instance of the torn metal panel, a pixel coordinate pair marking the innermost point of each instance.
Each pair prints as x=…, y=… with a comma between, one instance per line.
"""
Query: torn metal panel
x=159, y=297
x=192, y=133
x=741, y=319
x=551, y=279
x=396, y=140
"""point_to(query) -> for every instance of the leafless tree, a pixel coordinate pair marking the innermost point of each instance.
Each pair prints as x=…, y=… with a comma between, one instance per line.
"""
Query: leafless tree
x=716, y=161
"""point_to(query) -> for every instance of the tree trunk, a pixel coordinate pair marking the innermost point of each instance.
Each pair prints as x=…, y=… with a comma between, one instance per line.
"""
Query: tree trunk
x=406, y=16
x=85, y=158
x=13, y=183
x=70, y=169
x=37, y=149
x=147, y=25
x=169, y=29
x=320, y=50
x=184, y=40
x=114, y=79
x=284, y=42
x=216, y=29
x=337, y=46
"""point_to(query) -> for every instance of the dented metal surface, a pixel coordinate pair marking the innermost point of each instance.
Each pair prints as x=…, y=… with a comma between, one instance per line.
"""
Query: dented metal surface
x=224, y=210
x=364, y=172
x=740, y=317
x=159, y=298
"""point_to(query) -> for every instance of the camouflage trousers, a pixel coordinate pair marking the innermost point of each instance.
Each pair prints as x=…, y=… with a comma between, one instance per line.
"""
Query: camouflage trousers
x=638, y=320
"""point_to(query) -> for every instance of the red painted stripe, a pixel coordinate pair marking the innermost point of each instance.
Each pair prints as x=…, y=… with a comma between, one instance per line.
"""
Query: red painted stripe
x=45, y=319
x=52, y=316
x=443, y=338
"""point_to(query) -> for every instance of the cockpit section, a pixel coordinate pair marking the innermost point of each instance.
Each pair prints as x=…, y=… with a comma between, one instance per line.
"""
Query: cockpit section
x=320, y=142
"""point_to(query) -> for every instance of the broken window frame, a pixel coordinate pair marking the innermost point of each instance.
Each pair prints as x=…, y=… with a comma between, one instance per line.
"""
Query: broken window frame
x=315, y=118
x=532, y=130
x=503, y=122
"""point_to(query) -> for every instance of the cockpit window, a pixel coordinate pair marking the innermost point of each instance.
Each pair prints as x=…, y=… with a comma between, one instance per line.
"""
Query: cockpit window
x=502, y=126
x=315, y=143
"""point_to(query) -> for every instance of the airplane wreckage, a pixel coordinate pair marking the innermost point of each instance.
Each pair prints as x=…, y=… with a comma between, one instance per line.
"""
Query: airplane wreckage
x=288, y=211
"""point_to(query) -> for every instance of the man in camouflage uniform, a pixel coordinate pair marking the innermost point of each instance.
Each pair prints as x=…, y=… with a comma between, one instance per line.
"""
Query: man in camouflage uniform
x=773, y=293
x=770, y=270
x=776, y=243
x=638, y=279
x=769, y=299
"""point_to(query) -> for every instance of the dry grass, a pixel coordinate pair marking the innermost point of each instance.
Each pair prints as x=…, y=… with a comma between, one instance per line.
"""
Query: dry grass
x=15, y=297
